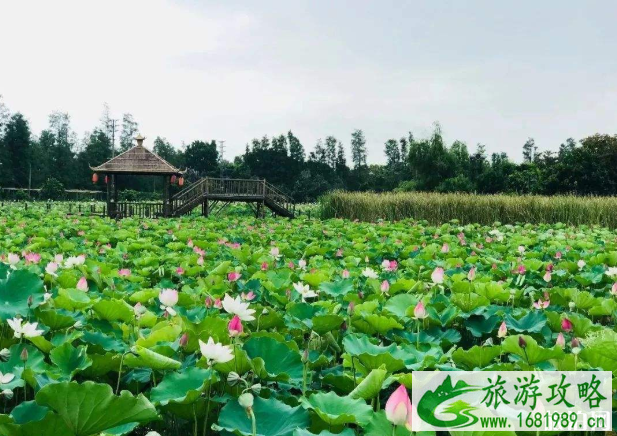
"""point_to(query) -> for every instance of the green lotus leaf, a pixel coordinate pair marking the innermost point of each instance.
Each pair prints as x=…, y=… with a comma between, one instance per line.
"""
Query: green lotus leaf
x=28, y=411
x=114, y=310
x=70, y=360
x=600, y=351
x=335, y=410
x=476, y=356
x=56, y=319
x=399, y=304
x=338, y=288
x=164, y=333
x=90, y=408
x=302, y=432
x=533, y=322
x=182, y=387
x=53, y=424
x=383, y=324
x=532, y=353
x=325, y=323
x=278, y=358
x=107, y=343
x=480, y=325
x=16, y=290
x=469, y=302
x=380, y=426
x=371, y=385
x=273, y=418
x=150, y=359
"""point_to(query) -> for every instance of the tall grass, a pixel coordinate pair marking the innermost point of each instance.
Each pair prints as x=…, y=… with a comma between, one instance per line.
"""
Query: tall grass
x=471, y=208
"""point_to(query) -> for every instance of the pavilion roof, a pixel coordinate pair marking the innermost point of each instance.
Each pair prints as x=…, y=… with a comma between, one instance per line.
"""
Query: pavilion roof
x=137, y=160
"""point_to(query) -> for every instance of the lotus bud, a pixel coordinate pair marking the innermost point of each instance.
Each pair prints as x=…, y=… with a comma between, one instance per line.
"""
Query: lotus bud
x=566, y=325
x=184, y=339
x=208, y=302
x=398, y=408
x=246, y=401
x=153, y=433
x=472, y=274
x=575, y=343
x=385, y=286
x=522, y=342
x=419, y=312
x=503, y=330
x=344, y=326
x=614, y=289
x=561, y=341
x=361, y=295
x=24, y=355
x=305, y=355
x=235, y=327
x=351, y=308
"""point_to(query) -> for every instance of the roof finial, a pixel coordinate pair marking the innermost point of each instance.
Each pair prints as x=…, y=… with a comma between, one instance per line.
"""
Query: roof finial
x=140, y=139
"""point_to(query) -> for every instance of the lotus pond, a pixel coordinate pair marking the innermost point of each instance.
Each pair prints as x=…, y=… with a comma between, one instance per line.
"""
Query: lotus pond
x=281, y=328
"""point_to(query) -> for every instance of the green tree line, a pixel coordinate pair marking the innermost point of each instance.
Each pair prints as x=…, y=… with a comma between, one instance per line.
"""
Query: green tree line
x=584, y=167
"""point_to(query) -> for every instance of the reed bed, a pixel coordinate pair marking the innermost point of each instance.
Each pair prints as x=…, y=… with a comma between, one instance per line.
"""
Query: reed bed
x=471, y=208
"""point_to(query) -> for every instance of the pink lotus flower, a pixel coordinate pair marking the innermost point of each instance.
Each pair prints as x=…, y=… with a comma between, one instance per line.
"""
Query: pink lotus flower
x=437, y=276
x=51, y=268
x=179, y=270
x=419, y=312
x=445, y=248
x=32, y=257
x=291, y=265
x=503, y=330
x=541, y=304
x=208, y=302
x=345, y=274
x=199, y=251
x=168, y=299
x=13, y=259
x=614, y=289
x=472, y=274
x=264, y=266
x=200, y=261
x=218, y=303
x=339, y=252
x=566, y=325
x=190, y=243
x=82, y=284
x=385, y=286
x=558, y=255
x=124, y=272
x=235, y=327
x=561, y=341
x=250, y=296
x=398, y=408
x=521, y=269
x=233, y=276
x=139, y=310
x=302, y=264
x=58, y=258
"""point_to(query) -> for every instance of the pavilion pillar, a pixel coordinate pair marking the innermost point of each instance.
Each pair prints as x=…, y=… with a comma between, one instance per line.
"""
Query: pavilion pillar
x=108, y=184
x=166, y=208
x=114, y=179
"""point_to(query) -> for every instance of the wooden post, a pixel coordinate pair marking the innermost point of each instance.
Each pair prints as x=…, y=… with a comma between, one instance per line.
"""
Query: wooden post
x=166, y=182
x=108, y=194
x=114, y=180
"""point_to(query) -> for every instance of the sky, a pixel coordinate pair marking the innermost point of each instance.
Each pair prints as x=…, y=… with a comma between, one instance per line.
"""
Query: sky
x=489, y=72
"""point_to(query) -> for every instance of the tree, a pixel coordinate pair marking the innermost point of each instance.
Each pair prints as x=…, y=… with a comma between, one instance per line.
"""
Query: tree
x=18, y=147
x=52, y=189
x=164, y=149
x=529, y=150
x=129, y=130
x=296, y=150
x=358, y=149
x=202, y=157
x=331, y=151
x=392, y=152
x=61, y=154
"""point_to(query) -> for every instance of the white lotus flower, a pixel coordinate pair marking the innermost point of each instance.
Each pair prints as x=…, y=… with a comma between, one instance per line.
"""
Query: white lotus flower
x=612, y=271
x=238, y=307
x=581, y=264
x=369, y=273
x=304, y=290
x=74, y=261
x=51, y=268
x=27, y=330
x=13, y=259
x=168, y=299
x=6, y=378
x=215, y=352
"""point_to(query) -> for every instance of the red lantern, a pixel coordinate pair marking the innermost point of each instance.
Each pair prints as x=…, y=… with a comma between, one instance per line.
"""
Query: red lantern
x=106, y=179
x=95, y=178
x=181, y=181
x=173, y=179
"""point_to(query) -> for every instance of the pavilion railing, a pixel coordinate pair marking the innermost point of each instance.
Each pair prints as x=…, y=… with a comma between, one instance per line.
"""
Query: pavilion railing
x=142, y=210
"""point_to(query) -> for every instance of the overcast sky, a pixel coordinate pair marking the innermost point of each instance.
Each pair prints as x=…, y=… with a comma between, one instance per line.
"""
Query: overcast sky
x=489, y=71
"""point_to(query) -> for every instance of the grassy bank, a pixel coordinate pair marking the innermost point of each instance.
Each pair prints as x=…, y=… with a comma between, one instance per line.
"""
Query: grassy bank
x=471, y=208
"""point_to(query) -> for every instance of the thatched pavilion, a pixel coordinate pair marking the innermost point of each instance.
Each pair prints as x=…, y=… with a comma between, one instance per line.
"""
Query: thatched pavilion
x=137, y=161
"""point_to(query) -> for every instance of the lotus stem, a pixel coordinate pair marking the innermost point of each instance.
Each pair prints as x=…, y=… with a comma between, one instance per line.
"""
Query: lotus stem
x=205, y=429
x=120, y=373
x=253, y=422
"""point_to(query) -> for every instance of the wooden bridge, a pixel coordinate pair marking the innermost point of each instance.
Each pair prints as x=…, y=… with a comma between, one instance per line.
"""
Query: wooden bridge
x=214, y=195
